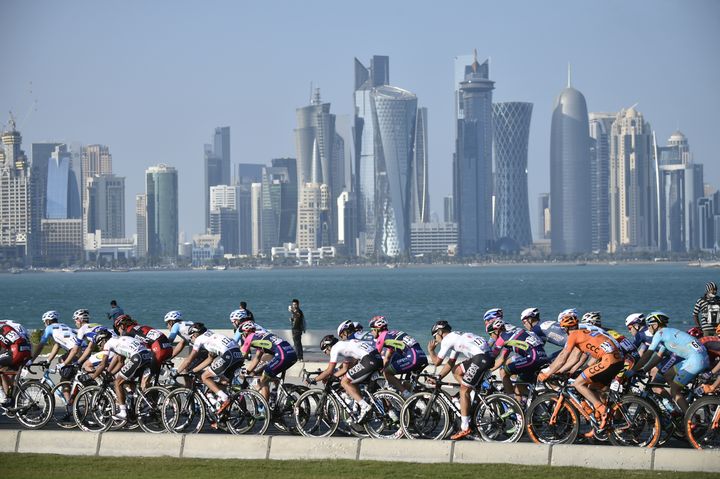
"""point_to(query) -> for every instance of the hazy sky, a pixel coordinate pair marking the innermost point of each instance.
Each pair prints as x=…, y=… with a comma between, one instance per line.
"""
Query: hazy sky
x=152, y=79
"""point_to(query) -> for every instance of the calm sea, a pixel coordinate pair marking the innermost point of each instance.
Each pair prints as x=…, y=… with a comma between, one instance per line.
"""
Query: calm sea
x=412, y=298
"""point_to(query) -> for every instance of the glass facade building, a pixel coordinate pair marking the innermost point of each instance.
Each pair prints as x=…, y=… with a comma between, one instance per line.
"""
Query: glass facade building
x=162, y=212
x=63, y=194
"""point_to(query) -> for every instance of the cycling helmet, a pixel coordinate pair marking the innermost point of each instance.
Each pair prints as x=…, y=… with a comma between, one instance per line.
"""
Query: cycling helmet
x=247, y=326
x=81, y=315
x=378, y=322
x=494, y=326
x=568, y=318
x=327, y=342
x=440, y=325
x=238, y=315
x=345, y=326
x=102, y=336
x=492, y=314
x=711, y=287
x=173, y=316
x=357, y=326
x=695, y=332
x=196, y=328
x=530, y=313
x=657, y=317
x=635, y=318
x=592, y=318
x=52, y=316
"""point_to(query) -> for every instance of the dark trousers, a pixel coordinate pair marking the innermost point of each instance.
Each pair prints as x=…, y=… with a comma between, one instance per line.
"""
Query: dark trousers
x=297, y=343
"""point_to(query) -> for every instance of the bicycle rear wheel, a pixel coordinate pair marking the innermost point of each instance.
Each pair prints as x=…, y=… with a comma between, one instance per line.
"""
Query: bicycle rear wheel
x=283, y=417
x=317, y=414
x=93, y=409
x=384, y=420
x=562, y=429
x=499, y=418
x=62, y=415
x=634, y=422
x=148, y=412
x=183, y=412
x=34, y=404
x=702, y=420
x=424, y=416
x=249, y=413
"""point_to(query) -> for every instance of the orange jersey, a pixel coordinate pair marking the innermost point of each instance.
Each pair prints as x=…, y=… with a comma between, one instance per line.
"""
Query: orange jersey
x=594, y=343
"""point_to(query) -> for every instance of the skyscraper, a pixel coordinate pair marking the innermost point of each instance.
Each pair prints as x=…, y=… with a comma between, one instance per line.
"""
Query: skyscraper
x=96, y=160
x=162, y=212
x=600, y=128
x=15, y=199
x=421, y=182
x=224, y=217
x=106, y=205
x=216, y=160
x=63, y=194
x=274, y=218
x=570, y=174
x=141, y=224
x=544, y=220
x=256, y=214
x=40, y=156
x=448, y=213
x=511, y=131
x=633, y=184
x=221, y=149
x=472, y=163
x=289, y=203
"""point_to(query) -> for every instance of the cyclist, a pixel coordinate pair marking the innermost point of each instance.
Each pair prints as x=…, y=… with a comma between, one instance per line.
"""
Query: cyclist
x=693, y=355
x=517, y=352
x=469, y=373
x=129, y=360
x=264, y=342
x=15, y=350
x=238, y=318
x=401, y=352
x=712, y=344
x=65, y=338
x=606, y=364
x=21, y=330
x=224, y=357
x=359, y=360
x=593, y=321
x=177, y=328
x=154, y=339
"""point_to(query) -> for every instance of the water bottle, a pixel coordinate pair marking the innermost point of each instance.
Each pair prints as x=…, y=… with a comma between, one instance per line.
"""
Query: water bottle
x=669, y=406
x=456, y=402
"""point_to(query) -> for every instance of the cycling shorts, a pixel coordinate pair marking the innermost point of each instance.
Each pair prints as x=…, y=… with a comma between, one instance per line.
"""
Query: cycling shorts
x=605, y=370
x=135, y=365
x=161, y=352
x=227, y=363
x=473, y=369
x=369, y=364
x=16, y=356
x=666, y=363
x=688, y=369
x=280, y=362
x=413, y=359
x=527, y=367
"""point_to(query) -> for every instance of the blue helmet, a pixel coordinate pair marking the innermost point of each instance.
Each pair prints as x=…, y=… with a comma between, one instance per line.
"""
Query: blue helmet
x=493, y=314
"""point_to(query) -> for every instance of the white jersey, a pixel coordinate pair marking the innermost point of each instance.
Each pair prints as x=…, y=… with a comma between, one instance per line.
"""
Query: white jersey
x=554, y=333
x=63, y=335
x=350, y=349
x=467, y=344
x=125, y=346
x=19, y=328
x=84, y=329
x=180, y=329
x=214, y=343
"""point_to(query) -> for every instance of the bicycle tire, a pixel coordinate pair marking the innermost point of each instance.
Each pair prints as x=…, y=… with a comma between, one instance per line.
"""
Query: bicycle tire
x=425, y=416
x=62, y=415
x=148, y=411
x=93, y=409
x=538, y=415
x=317, y=414
x=283, y=417
x=34, y=404
x=249, y=413
x=698, y=423
x=633, y=422
x=384, y=422
x=183, y=412
x=499, y=419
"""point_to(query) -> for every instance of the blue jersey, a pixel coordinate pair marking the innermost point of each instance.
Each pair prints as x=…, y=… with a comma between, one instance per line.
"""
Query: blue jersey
x=520, y=342
x=63, y=335
x=642, y=338
x=677, y=342
x=180, y=328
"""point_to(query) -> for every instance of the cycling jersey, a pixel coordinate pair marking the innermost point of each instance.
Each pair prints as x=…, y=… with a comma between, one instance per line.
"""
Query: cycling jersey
x=158, y=343
x=712, y=345
x=180, y=328
x=238, y=337
x=363, y=336
x=594, y=342
x=214, y=343
x=643, y=338
x=467, y=344
x=407, y=355
x=63, y=335
x=554, y=333
x=529, y=354
x=21, y=330
x=125, y=346
x=350, y=349
x=284, y=356
x=87, y=332
x=693, y=354
x=18, y=348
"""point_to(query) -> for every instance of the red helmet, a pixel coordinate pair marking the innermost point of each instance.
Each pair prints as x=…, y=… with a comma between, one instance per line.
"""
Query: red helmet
x=695, y=332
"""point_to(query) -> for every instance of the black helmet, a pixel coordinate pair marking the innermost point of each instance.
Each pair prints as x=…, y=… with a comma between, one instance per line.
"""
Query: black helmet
x=440, y=325
x=197, y=328
x=711, y=287
x=102, y=336
x=328, y=342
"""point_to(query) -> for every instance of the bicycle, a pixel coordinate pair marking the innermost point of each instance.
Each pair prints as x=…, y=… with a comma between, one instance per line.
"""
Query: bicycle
x=433, y=414
x=702, y=422
x=283, y=397
x=33, y=404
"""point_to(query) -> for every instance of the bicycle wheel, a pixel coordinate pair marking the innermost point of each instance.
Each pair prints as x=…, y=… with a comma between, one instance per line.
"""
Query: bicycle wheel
x=316, y=414
x=424, y=416
x=148, y=411
x=633, y=422
x=384, y=420
x=563, y=427
x=34, y=404
x=282, y=413
x=93, y=409
x=702, y=423
x=249, y=413
x=499, y=418
x=62, y=415
x=183, y=411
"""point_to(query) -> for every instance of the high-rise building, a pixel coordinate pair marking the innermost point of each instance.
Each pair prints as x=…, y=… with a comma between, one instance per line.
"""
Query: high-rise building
x=106, y=205
x=40, y=156
x=544, y=220
x=347, y=222
x=61, y=242
x=141, y=224
x=224, y=217
x=426, y=238
x=15, y=197
x=249, y=173
x=421, y=182
x=394, y=117
x=600, y=128
x=511, y=132
x=313, y=200
x=162, y=212
x=216, y=165
x=289, y=202
x=570, y=174
x=274, y=218
x=221, y=149
x=367, y=78
x=472, y=163
x=96, y=160
x=448, y=213
x=256, y=210
x=633, y=184
x=63, y=195
x=245, y=218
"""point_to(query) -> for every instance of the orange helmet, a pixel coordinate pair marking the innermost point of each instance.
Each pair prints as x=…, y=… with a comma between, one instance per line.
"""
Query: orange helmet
x=568, y=319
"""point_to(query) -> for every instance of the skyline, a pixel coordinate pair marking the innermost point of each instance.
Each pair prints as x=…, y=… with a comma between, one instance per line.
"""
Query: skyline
x=177, y=88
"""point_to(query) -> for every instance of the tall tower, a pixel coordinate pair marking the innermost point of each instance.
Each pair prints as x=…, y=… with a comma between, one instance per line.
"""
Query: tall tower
x=162, y=212
x=421, y=183
x=570, y=174
x=600, y=127
x=221, y=148
x=511, y=131
x=216, y=162
x=141, y=223
x=106, y=200
x=15, y=199
x=63, y=195
x=472, y=165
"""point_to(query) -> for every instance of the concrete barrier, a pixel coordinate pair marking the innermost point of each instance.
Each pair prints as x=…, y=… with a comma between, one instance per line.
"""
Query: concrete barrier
x=602, y=457
x=72, y=443
x=410, y=451
x=219, y=446
x=289, y=447
x=140, y=444
x=673, y=459
x=8, y=441
x=496, y=453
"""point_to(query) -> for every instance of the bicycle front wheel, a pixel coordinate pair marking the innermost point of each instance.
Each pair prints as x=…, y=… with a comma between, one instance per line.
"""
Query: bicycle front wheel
x=93, y=409
x=283, y=417
x=63, y=397
x=384, y=421
x=34, y=404
x=634, y=422
x=148, y=410
x=424, y=416
x=317, y=414
x=545, y=426
x=249, y=413
x=499, y=418
x=183, y=412
x=702, y=423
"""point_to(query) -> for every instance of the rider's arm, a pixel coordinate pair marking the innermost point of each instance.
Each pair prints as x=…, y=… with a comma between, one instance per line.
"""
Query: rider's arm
x=53, y=352
x=86, y=353
x=116, y=364
x=447, y=368
x=71, y=355
x=500, y=360
x=386, y=356
x=255, y=360
x=186, y=362
x=326, y=374
x=100, y=367
x=576, y=361
x=203, y=364
x=43, y=341
x=560, y=360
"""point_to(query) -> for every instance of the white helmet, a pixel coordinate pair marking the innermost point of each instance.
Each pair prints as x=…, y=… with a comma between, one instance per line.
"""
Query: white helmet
x=173, y=316
x=81, y=315
x=530, y=313
x=238, y=315
x=346, y=325
x=50, y=316
x=592, y=318
x=635, y=318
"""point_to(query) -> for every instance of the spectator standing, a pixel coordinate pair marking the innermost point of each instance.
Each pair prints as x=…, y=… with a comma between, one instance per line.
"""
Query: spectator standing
x=115, y=311
x=297, y=320
x=706, y=312
x=243, y=307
